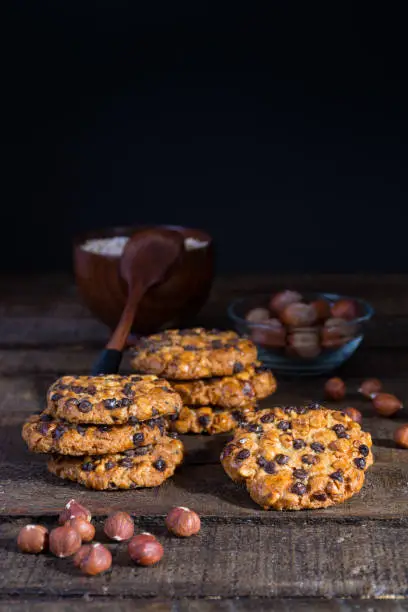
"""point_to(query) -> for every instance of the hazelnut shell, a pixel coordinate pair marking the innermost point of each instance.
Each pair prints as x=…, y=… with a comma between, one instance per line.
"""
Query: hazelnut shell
x=64, y=541
x=145, y=550
x=183, y=522
x=72, y=510
x=33, y=539
x=119, y=526
x=92, y=559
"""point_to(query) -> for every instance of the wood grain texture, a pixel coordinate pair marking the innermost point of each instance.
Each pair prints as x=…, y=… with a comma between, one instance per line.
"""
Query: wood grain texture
x=245, y=558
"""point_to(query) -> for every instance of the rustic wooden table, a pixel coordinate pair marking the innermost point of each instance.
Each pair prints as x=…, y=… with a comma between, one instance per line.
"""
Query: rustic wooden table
x=350, y=557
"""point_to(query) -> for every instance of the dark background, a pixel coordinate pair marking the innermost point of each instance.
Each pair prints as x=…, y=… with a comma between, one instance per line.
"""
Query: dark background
x=279, y=127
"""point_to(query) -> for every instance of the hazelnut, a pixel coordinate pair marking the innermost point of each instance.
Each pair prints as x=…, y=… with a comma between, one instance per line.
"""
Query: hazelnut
x=401, y=436
x=304, y=344
x=336, y=332
x=370, y=387
x=86, y=530
x=386, y=404
x=32, y=539
x=345, y=309
x=183, y=522
x=321, y=308
x=93, y=559
x=144, y=549
x=257, y=315
x=354, y=414
x=335, y=389
x=72, y=510
x=279, y=301
x=272, y=333
x=119, y=526
x=298, y=315
x=64, y=541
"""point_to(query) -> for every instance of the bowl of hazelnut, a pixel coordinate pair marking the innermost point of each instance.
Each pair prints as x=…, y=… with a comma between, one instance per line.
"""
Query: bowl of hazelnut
x=302, y=334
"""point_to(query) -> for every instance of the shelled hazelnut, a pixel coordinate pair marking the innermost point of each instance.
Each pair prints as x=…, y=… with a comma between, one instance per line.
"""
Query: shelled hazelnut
x=93, y=559
x=64, y=541
x=354, y=414
x=335, y=388
x=33, y=539
x=279, y=301
x=386, y=404
x=345, y=309
x=183, y=522
x=370, y=387
x=298, y=314
x=257, y=315
x=304, y=344
x=401, y=436
x=85, y=529
x=72, y=510
x=145, y=549
x=119, y=526
x=272, y=333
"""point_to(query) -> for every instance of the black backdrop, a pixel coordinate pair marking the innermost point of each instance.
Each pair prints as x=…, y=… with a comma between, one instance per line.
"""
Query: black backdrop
x=280, y=127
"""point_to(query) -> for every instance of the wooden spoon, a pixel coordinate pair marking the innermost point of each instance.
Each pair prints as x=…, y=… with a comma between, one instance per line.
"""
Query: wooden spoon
x=146, y=259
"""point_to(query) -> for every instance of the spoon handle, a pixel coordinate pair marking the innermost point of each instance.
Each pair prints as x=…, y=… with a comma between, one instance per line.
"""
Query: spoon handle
x=108, y=362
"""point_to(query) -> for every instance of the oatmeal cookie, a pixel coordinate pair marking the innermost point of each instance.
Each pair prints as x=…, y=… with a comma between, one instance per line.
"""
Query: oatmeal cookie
x=189, y=354
x=299, y=457
x=146, y=466
x=246, y=385
x=43, y=434
x=111, y=399
x=210, y=419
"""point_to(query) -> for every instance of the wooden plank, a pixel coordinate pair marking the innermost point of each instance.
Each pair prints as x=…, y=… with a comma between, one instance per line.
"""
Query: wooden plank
x=202, y=605
x=311, y=559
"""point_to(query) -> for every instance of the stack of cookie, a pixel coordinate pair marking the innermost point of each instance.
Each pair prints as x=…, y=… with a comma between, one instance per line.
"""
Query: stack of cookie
x=108, y=432
x=215, y=372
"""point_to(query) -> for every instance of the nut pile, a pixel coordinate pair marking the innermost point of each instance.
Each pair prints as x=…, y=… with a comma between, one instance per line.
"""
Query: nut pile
x=94, y=558
x=303, y=329
x=108, y=432
x=216, y=373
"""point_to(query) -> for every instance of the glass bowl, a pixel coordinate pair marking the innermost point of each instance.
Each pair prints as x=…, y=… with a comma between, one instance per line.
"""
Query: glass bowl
x=302, y=351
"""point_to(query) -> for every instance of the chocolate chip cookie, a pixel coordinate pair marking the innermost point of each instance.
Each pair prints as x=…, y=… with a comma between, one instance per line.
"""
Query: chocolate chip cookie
x=247, y=384
x=189, y=354
x=145, y=466
x=111, y=399
x=43, y=434
x=210, y=419
x=299, y=457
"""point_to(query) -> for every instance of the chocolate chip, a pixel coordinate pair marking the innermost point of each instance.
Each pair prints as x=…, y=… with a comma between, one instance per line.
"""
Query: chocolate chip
x=81, y=429
x=267, y=418
x=243, y=454
x=238, y=416
x=313, y=406
x=190, y=347
x=268, y=466
x=318, y=447
x=109, y=465
x=319, y=496
x=85, y=406
x=248, y=390
x=138, y=438
x=299, y=488
x=125, y=402
x=337, y=476
x=160, y=465
x=299, y=443
x=133, y=420
x=55, y=397
x=301, y=474
x=340, y=431
x=360, y=463
x=72, y=402
x=238, y=367
x=88, y=466
x=45, y=418
x=282, y=459
x=284, y=425
x=289, y=409
x=104, y=428
x=126, y=462
x=43, y=428
x=204, y=420
x=363, y=450
x=135, y=378
x=91, y=390
x=127, y=390
x=59, y=431
x=228, y=450
x=216, y=344
x=155, y=412
x=112, y=486
x=309, y=459
x=173, y=417
x=254, y=428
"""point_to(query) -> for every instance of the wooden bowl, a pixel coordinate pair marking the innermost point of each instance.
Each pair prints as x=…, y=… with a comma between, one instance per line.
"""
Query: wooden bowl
x=170, y=304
